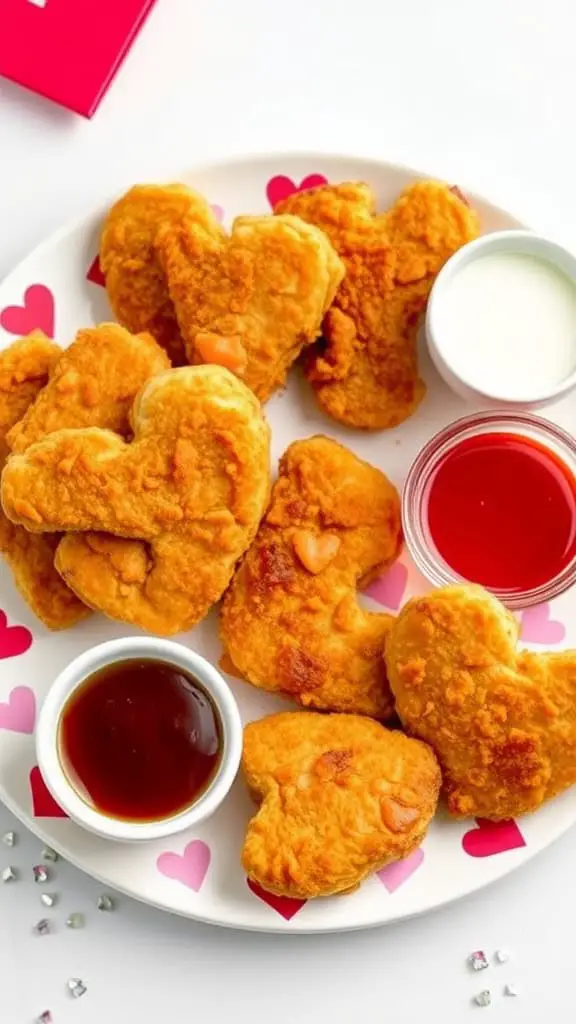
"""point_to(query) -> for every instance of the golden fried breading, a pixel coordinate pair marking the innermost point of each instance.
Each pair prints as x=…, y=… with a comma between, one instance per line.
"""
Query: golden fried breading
x=365, y=371
x=135, y=282
x=189, y=492
x=291, y=621
x=341, y=797
x=24, y=370
x=502, y=721
x=250, y=301
x=93, y=384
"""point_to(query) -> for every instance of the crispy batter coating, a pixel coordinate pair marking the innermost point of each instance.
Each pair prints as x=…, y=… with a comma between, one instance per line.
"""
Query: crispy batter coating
x=502, y=721
x=341, y=797
x=188, y=493
x=93, y=384
x=291, y=621
x=265, y=288
x=365, y=371
x=24, y=370
x=135, y=282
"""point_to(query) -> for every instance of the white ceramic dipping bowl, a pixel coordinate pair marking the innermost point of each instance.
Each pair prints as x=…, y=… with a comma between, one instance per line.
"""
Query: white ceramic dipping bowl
x=113, y=652
x=525, y=243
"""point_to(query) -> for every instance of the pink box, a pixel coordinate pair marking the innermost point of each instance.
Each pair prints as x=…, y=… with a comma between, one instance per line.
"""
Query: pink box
x=68, y=50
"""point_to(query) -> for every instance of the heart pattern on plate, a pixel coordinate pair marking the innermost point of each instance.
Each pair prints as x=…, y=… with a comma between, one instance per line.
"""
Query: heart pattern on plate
x=43, y=803
x=95, y=273
x=286, y=906
x=389, y=590
x=14, y=640
x=36, y=313
x=536, y=626
x=394, y=875
x=190, y=867
x=280, y=186
x=18, y=713
x=491, y=837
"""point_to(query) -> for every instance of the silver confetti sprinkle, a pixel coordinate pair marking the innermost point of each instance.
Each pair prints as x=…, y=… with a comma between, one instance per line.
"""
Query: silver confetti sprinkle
x=483, y=998
x=48, y=899
x=9, y=839
x=49, y=854
x=40, y=873
x=43, y=927
x=9, y=874
x=502, y=956
x=75, y=921
x=105, y=902
x=478, y=960
x=510, y=990
x=44, y=1018
x=76, y=987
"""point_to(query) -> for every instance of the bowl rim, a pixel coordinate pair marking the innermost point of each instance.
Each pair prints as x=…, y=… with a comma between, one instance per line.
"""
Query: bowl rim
x=74, y=675
x=523, y=242
x=413, y=499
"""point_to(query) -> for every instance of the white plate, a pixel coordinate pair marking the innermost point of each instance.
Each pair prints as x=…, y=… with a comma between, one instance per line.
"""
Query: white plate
x=457, y=858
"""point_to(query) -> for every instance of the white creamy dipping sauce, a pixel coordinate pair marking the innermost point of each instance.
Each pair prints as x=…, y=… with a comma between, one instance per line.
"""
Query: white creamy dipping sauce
x=507, y=325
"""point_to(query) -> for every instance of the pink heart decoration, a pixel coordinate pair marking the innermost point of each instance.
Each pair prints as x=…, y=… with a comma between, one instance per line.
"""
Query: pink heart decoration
x=190, y=868
x=491, y=837
x=43, y=803
x=280, y=187
x=283, y=905
x=37, y=313
x=218, y=212
x=14, y=640
x=389, y=589
x=18, y=713
x=394, y=875
x=95, y=273
x=538, y=628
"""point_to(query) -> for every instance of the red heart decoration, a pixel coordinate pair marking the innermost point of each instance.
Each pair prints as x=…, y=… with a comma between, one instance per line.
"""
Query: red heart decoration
x=95, y=273
x=37, y=313
x=280, y=187
x=14, y=640
x=283, y=905
x=492, y=837
x=43, y=803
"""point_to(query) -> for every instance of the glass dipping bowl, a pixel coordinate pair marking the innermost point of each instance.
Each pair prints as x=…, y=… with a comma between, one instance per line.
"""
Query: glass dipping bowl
x=416, y=493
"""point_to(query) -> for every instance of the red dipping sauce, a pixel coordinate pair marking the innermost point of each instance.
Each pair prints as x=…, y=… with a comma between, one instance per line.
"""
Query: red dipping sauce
x=501, y=511
x=140, y=740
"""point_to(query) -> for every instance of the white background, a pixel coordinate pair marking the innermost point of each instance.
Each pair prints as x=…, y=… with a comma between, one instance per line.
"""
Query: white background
x=479, y=93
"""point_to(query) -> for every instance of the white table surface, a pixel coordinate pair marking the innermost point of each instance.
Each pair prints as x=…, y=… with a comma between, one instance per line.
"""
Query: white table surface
x=481, y=93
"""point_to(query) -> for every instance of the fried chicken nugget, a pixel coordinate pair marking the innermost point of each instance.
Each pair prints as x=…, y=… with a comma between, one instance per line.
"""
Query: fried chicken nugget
x=93, y=384
x=135, y=282
x=252, y=300
x=188, y=492
x=502, y=721
x=25, y=367
x=290, y=621
x=341, y=797
x=365, y=371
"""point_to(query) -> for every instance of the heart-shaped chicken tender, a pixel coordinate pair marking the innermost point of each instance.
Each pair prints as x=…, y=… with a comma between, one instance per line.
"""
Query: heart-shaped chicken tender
x=25, y=367
x=189, y=492
x=135, y=282
x=502, y=721
x=365, y=370
x=252, y=300
x=341, y=797
x=291, y=621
